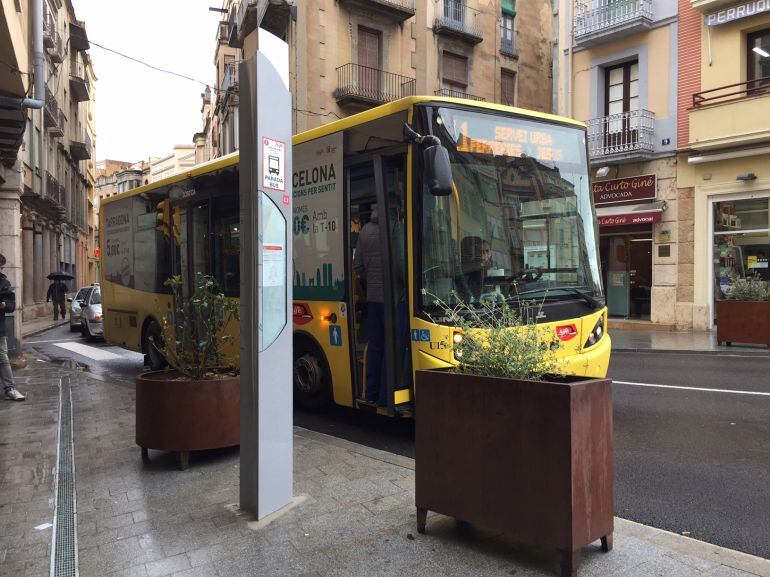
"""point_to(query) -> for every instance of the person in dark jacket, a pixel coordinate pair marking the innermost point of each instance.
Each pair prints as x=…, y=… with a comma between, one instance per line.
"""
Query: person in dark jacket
x=7, y=305
x=368, y=265
x=57, y=293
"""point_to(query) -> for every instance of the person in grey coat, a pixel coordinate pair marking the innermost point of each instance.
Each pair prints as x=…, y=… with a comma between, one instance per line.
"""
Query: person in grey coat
x=368, y=265
x=7, y=305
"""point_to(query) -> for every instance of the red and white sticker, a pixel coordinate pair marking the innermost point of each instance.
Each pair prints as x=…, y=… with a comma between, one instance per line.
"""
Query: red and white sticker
x=273, y=164
x=566, y=332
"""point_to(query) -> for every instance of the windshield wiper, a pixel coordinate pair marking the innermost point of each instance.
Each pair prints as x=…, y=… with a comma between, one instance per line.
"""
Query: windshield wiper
x=588, y=298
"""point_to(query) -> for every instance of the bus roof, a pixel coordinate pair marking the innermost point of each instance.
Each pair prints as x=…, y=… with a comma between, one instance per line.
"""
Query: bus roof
x=342, y=124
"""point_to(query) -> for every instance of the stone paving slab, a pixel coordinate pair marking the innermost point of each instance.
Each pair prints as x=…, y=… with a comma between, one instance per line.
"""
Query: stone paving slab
x=354, y=514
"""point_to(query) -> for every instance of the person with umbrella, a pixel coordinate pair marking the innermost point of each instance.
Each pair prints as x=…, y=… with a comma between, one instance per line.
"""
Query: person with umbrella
x=57, y=293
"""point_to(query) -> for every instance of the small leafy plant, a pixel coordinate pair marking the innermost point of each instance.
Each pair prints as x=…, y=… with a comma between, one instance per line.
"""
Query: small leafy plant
x=502, y=340
x=751, y=288
x=193, y=338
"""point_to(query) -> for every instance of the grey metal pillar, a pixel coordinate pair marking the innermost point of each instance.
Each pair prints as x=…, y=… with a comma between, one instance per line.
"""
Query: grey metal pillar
x=266, y=293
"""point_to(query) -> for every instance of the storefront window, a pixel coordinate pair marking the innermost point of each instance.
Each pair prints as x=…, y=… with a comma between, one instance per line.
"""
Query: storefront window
x=741, y=242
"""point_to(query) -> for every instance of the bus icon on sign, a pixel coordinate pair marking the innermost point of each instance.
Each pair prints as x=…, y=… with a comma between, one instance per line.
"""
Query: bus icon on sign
x=273, y=165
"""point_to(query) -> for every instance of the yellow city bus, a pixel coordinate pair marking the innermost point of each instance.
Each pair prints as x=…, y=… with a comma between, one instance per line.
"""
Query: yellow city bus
x=518, y=222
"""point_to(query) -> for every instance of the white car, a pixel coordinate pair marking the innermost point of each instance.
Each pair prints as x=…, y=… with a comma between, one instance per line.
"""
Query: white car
x=76, y=307
x=91, y=315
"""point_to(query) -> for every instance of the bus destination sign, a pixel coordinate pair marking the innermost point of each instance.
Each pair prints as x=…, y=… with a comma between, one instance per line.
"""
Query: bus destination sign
x=513, y=141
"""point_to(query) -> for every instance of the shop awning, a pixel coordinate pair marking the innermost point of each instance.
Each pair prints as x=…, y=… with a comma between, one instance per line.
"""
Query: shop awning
x=642, y=213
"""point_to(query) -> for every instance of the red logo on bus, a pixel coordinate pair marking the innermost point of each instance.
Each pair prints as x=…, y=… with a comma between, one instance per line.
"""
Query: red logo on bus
x=566, y=332
x=302, y=314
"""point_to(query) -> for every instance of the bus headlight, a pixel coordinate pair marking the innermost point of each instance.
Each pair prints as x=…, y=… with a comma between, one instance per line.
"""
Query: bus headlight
x=596, y=334
x=457, y=338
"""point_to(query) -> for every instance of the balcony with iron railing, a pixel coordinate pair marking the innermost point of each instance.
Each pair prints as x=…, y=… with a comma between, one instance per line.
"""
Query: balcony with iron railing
x=449, y=93
x=456, y=19
x=734, y=114
x=53, y=117
x=603, y=20
x=271, y=15
x=51, y=186
x=78, y=36
x=80, y=87
x=50, y=33
x=230, y=77
x=80, y=145
x=508, y=46
x=398, y=10
x=365, y=86
x=628, y=136
x=232, y=27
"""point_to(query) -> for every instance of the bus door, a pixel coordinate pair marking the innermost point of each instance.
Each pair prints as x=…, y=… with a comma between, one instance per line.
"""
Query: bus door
x=380, y=183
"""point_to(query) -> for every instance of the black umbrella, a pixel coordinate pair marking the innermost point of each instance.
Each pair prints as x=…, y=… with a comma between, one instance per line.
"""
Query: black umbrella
x=60, y=276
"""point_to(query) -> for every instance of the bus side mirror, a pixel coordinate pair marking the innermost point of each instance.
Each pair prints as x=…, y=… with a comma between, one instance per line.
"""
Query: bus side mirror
x=438, y=170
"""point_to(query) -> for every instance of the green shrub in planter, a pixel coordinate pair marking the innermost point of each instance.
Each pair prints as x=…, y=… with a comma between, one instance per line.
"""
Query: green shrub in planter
x=502, y=340
x=193, y=345
x=751, y=288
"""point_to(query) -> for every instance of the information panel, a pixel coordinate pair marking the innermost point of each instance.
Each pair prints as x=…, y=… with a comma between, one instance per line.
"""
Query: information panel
x=317, y=214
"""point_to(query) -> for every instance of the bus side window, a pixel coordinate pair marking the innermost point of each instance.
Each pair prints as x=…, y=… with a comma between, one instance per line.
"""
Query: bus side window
x=201, y=240
x=227, y=246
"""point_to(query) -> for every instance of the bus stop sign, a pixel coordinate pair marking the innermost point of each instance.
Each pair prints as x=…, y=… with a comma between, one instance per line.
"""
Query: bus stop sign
x=266, y=293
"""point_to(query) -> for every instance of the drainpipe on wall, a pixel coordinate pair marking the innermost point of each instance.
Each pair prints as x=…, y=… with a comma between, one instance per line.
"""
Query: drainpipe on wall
x=39, y=64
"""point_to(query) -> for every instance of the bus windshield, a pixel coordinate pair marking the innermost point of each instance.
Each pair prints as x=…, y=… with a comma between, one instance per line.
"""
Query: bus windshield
x=520, y=223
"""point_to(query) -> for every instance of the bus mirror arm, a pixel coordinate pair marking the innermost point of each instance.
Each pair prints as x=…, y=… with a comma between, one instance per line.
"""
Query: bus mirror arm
x=437, y=167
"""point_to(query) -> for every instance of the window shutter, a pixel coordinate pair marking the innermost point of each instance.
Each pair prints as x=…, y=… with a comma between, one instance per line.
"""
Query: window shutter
x=455, y=69
x=509, y=7
x=508, y=82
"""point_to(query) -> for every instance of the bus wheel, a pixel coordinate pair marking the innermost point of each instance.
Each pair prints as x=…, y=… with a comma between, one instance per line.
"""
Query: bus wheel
x=153, y=337
x=311, y=382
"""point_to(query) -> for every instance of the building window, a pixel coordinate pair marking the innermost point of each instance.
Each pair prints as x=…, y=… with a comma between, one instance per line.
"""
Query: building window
x=454, y=72
x=758, y=58
x=621, y=105
x=508, y=83
x=506, y=26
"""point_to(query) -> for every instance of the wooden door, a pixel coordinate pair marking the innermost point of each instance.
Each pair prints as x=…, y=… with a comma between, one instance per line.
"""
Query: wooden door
x=369, y=62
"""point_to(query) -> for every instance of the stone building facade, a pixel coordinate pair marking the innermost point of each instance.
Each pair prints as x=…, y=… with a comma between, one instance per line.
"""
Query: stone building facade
x=617, y=70
x=723, y=170
x=47, y=174
x=349, y=55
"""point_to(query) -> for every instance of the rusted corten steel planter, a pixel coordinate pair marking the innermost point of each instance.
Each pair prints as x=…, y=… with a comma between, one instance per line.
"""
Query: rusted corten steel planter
x=530, y=459
x=743, y=322
x=184, y=416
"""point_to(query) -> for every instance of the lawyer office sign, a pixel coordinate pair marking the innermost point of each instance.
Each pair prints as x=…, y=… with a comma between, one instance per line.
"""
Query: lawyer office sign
x=743, y=10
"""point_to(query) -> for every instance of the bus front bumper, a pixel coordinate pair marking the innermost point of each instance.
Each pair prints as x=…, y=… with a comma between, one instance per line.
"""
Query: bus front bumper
x=591, y=363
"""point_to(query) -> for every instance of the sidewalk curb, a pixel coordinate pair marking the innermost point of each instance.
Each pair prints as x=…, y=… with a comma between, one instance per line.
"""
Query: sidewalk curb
x=687, y=546
x=718, y=353
x=35, y=332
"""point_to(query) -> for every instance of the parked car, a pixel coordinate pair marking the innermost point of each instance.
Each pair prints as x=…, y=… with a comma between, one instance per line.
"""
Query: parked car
x=76, y=306
x=91, y=315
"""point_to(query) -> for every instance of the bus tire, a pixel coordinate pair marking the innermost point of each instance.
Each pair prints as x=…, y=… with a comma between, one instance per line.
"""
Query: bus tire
x=312, y=382
x=153, y=334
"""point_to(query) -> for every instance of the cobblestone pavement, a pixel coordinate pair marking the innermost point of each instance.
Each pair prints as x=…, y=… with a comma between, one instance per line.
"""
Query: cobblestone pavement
x=354, y=514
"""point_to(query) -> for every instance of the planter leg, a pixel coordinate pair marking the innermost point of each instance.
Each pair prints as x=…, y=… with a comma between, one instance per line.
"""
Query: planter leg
x=570, y=562
x=607, y=543
x=145, y=455
x=422, y=517
x=184, y=460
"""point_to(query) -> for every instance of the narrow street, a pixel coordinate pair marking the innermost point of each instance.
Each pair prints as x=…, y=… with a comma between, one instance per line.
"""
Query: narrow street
x=692, y=435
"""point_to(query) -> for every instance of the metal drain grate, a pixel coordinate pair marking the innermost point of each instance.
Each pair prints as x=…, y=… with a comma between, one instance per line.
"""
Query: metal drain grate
x=64, y=553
